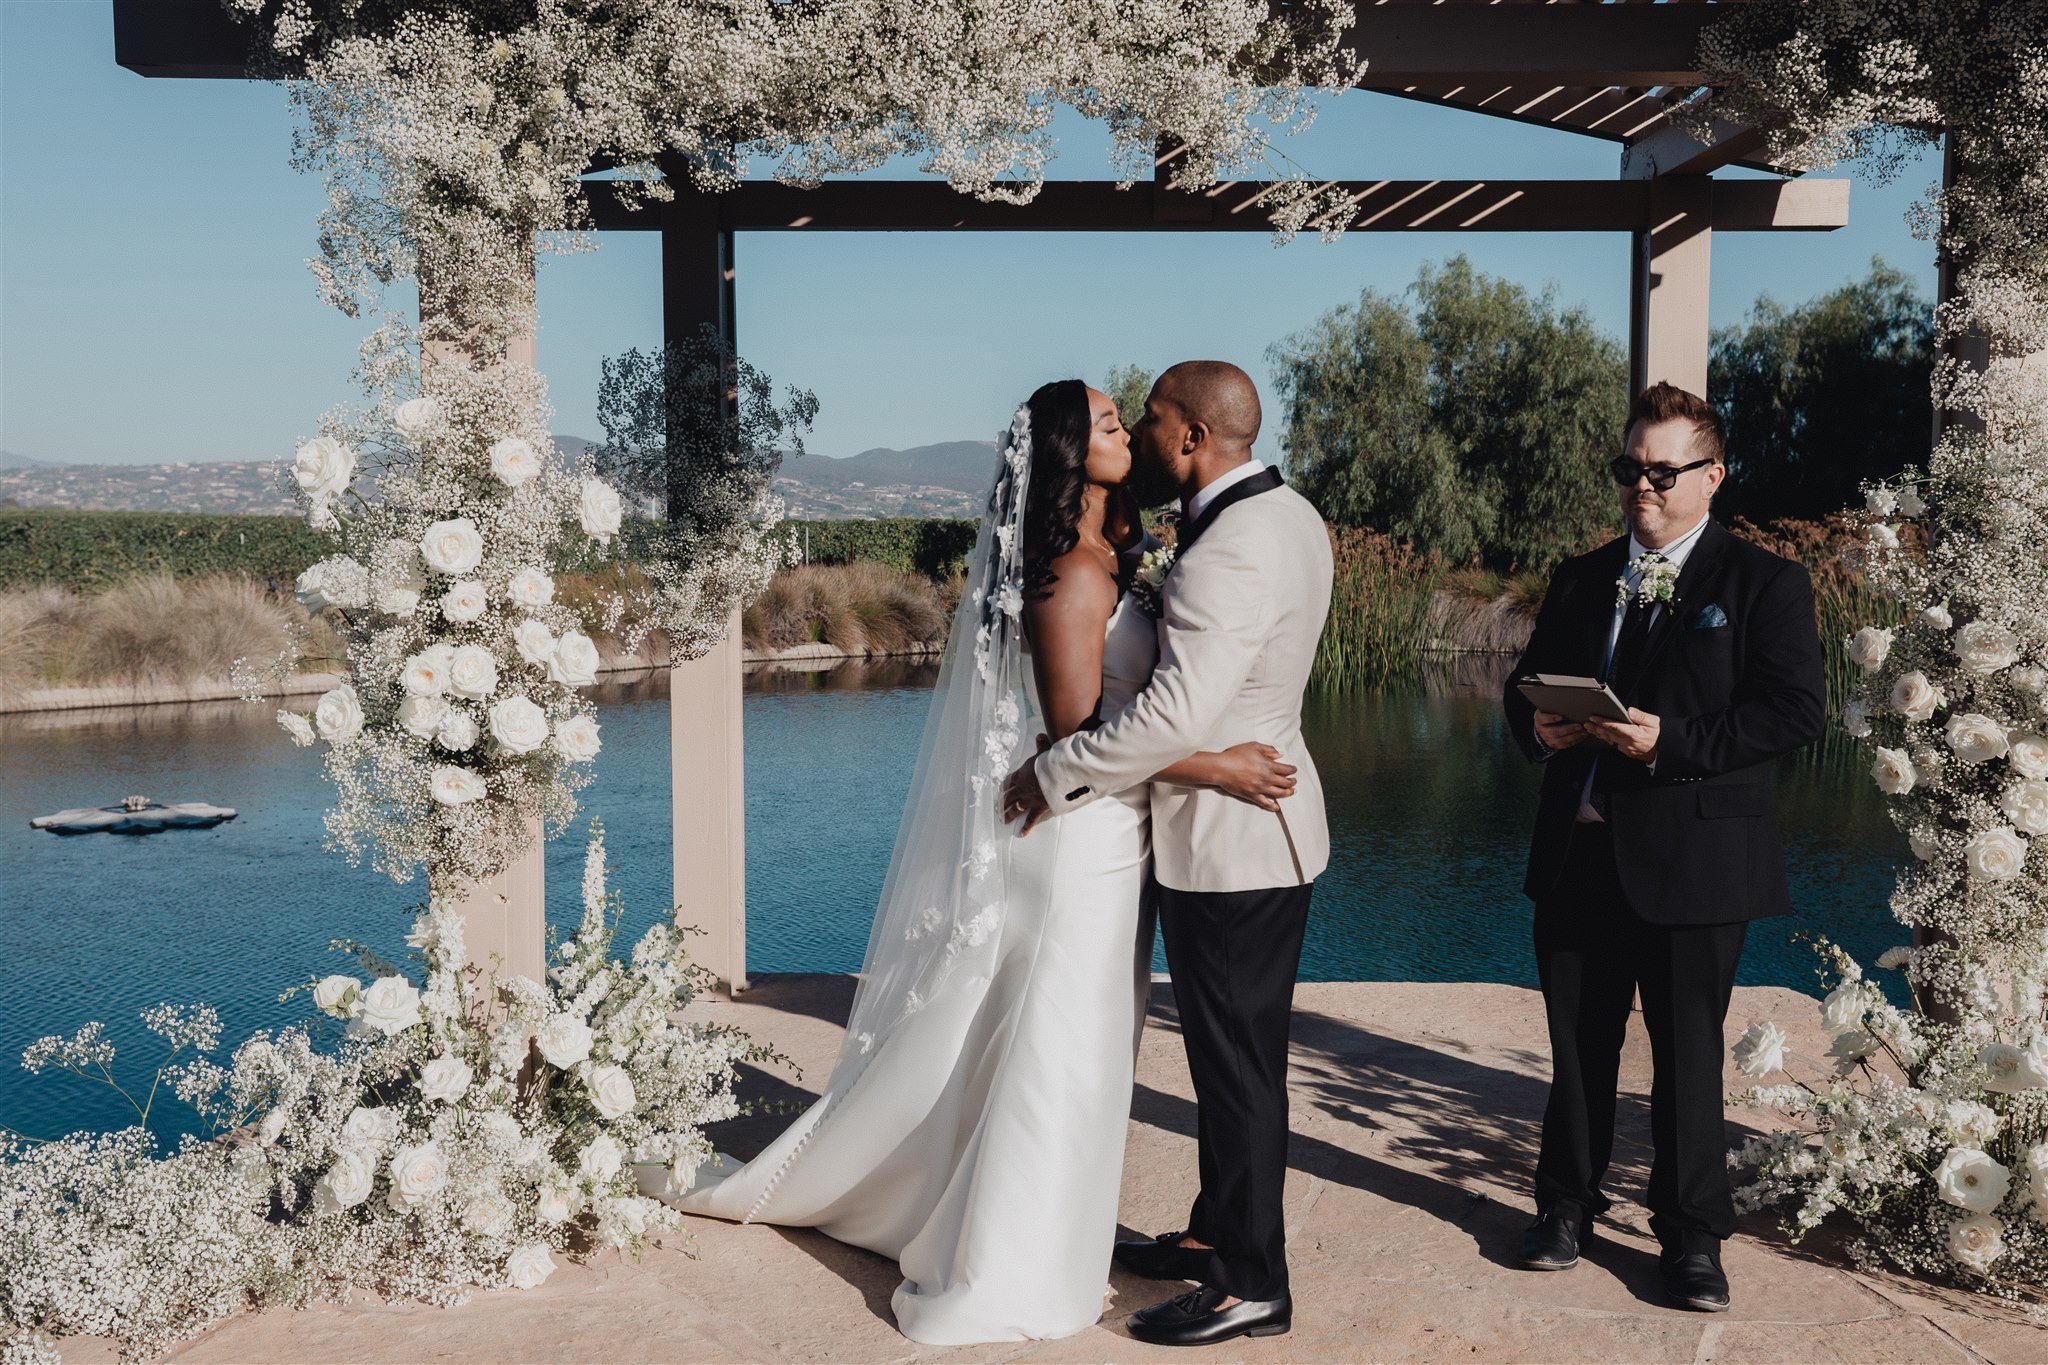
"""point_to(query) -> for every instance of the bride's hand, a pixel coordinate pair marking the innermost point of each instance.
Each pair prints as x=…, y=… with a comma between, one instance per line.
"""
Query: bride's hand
x=1253, y=772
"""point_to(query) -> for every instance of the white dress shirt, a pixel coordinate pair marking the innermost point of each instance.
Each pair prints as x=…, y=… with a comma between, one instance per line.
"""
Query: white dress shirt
x=1676, y=552
x=1209, y=491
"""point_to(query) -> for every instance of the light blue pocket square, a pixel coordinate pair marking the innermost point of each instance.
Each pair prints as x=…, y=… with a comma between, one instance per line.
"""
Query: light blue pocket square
x=1708, y=617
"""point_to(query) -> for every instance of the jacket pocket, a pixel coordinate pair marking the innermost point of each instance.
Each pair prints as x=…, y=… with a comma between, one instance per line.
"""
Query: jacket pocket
x=1721, y=803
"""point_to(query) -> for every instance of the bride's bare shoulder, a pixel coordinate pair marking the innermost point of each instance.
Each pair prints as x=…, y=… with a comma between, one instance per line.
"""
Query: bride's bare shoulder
x=1082, y=594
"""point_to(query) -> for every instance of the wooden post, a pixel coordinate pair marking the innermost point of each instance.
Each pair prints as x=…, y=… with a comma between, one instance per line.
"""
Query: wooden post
x=706, y=739
x=1668, y=298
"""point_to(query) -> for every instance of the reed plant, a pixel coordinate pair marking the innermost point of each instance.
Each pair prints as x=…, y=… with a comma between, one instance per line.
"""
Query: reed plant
x=859, y=608
x=1379, y=610
x=1843, y=601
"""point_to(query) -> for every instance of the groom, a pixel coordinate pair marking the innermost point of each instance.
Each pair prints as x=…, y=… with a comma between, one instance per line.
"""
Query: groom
x=1242, y=611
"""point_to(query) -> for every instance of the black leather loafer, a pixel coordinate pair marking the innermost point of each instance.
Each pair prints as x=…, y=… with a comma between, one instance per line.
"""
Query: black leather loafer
x=1161, y=1258
x=1695, y=1280
x=1194, y=1319
x=1552, y=1242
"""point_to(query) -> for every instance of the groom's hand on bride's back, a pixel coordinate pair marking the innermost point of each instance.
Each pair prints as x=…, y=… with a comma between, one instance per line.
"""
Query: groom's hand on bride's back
x=1022, y=796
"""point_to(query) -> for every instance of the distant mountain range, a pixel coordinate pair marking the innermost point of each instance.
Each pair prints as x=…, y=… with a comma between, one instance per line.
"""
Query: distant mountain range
x=948, y=479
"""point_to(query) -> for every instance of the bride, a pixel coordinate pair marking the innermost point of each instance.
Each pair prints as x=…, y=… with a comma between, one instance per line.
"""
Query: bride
x=973, y=1127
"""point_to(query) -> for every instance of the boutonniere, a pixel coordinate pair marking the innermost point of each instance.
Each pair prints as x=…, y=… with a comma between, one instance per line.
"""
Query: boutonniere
x=1150, y=579
x=1656, y=580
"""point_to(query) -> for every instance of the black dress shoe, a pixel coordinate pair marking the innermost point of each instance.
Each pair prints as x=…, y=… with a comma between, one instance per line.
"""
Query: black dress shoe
x=1552, y=1242
x=1162, y=1258
x=1695, y=1280
x=1194, y=1319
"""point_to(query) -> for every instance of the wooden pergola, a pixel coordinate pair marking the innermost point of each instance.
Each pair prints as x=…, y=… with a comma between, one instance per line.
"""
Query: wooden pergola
x=1602, y=70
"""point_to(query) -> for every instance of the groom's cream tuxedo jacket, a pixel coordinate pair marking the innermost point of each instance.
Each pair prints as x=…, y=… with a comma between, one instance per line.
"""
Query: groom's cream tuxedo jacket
x=1244, y=606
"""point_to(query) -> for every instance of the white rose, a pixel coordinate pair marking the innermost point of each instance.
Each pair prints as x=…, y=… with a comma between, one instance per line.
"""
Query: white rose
x=324, y=467
x=1881, y=502
x=1936, y=617
x=531, y=588
x=297, y=726
x=1914, y=697
x=271, y=1129
x=514, y=462
x=1851, y=1047
x=346, y=1184
x=1893, y=771
x=464, y=602
x=2028, y=755
x=1976, y=738
x=370, y=1127
x=1996, y=855
x=1910, y=502
x=335, y=994
x=452, y=547
x=1924, y=843
x=417, y=1175
x=602, y=1159
x=518, y=725
x=2037, y=1176
x=473, y=672
x=1884, y=537
x=1971, y=1180
x=1976, y=1241
x=553, y=1205
x=1985, y=647
x=529, y=1266
x=457, y=730
x=576, y=739
x=1869, y=646
x=443, y=1079
x=399, y=599
x=453, y=786
x=2012, y=1069
x=563, y=1039
x=1973, y=1123
x=1843, y=1009
x=425, y=674
x=2028, y=677
x=415, y=417
x=2025, y=803
x=1856, y=720
x=490, y=1213
x=535, y=641
x=421, y=715
x=611, y=1091
x=339, y=716
x=599, y=510
x=575, y=660
x=391, y=1005
x=1760, y=1050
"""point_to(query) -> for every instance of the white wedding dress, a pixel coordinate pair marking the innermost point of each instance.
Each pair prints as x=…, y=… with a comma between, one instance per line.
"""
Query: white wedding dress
x=981, y=1144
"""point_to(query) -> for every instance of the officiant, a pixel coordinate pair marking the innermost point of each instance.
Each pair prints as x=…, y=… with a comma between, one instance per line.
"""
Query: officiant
x=1655, y=841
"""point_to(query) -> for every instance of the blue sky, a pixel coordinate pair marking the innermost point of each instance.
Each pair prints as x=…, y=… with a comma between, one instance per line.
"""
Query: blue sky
x=154, y=303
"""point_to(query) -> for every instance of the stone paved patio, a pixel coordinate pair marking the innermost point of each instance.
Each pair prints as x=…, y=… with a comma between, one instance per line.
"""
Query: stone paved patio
x=1414, y=1125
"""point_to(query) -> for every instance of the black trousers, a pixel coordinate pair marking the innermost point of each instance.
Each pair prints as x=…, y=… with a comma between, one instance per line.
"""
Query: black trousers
x=1233, y=955
x=1593, y=953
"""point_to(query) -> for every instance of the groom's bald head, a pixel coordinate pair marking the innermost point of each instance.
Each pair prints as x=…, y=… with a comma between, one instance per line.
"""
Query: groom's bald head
x=1219, y=396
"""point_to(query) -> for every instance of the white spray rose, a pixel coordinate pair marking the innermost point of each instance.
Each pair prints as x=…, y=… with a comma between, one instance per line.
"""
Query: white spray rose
x=1869, y=646
x=1760, y=1050
x=457, y=731
x=399, y=599
x=391, y=1005
x=599, y=510
x=297, y=726
x=453, y=786
x=1976, y=738
x=2028, y=755
x=425, y=674
x=2012, y=1069
x=1884, y=537
x=1910, y=502
x=417, y=1175
x=529, y=1266
x=1937, y=617
x=464, y=602
x=514, y=461
x=2025, y=803
x=1850, y=1047
x=575, y=660
x=1974, y=1124
x=602, y=1159
x=1985, y=647
x=370, y=1127
x=611, y=1091
x=1881, y=502
x=346, y=1184
x=564, y=1040
x=443, y=1079
x=324, y=467
x=473, y=672
x=518, y=725
x=1971, y=1180
x=576, y=739
x=339, y=716
x=421, y=715
x=553, y=1207
x=1893, y=771
x=531, y=588
x=1976, y=1241
x=415, y=418
x=1843, y=1009
x=452, y=547
x=536, y=643
x=1914, y=697
x=336, y=995
x=1996, y=855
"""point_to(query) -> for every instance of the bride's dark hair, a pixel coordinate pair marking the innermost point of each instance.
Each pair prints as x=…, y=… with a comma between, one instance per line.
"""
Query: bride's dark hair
x=1060, y=431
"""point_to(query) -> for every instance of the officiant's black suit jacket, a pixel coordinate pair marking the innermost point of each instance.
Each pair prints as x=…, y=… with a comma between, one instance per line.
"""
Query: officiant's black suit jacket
x=1734, y=671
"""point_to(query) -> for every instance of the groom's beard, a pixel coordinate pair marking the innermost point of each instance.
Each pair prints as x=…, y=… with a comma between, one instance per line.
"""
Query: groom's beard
x=1151, y=486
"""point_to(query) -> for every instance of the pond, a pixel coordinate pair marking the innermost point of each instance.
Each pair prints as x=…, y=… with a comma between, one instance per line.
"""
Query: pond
x=1430, y=806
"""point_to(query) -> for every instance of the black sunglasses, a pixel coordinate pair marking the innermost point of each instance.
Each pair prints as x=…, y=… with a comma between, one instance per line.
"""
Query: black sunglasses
x=1661, y=476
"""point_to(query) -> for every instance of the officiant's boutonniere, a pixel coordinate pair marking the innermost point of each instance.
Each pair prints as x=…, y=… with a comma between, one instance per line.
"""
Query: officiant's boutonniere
x=1150, y=579
x=1656, y=580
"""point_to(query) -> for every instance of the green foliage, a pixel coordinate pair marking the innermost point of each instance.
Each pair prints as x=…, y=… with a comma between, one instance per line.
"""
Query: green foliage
x=90, y=550
x=1379, y=601
x=936, y=547
x=1471, y=419
x=1824, y=397
x=1127, y=387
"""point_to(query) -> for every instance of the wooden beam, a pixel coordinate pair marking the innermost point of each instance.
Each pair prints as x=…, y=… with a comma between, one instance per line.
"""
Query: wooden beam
x=1675, y=150
x=1668, y=334
x=189, y=38
x=1534, y=45
x=1375, y=205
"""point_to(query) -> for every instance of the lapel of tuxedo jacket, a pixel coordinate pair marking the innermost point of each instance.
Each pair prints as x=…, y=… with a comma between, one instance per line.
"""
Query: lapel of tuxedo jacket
x=1265, y=481
x=1608, y=563
x=1699, y=570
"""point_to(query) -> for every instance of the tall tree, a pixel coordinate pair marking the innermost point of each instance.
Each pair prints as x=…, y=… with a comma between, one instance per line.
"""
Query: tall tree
x=1127, y=387
x=1467, y=416
x=1824, y=396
